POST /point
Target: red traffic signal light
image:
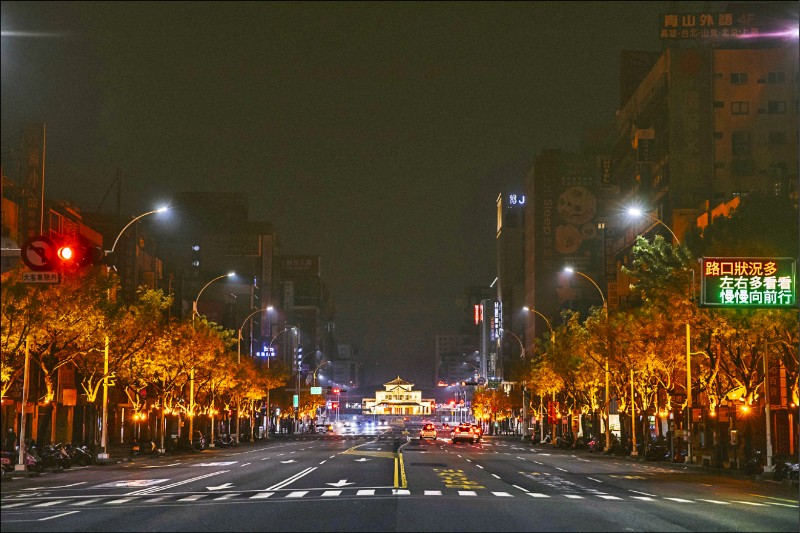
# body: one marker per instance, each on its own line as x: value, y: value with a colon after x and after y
x: 336, y: 391
x: 77, y: 253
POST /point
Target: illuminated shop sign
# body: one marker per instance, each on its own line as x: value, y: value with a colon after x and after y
x: 748, y: 282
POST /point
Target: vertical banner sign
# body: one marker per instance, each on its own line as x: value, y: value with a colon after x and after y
x: 755, y: 282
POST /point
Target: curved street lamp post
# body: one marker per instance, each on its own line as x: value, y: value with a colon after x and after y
x: 103, y: 455
x: 607, y: 413
x: 552, y: 343
x: 636, y: 212
x: 267, y: 309
x: 191, y: 372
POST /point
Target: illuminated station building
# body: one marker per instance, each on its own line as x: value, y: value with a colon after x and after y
x: 398, y: 399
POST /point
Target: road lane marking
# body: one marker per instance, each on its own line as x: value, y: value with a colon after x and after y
x: 714, y: 501
x: 574, y: 496
x: 58, y: 515
x: 679, y: 500
x: 192, y: 498
x: 593, y: 479
x: 467, y: 493
x: 291, y: 479
x: 479, y: 466
x: 557, y: 468
x: 401, y: 492
x: 14, y: 505
x: 537, y: 495
x: 639, y: 492
x: 433, y: 493
x: 225, y: 497
x: 323, y: 461
x: 520, y: 488
x: 503, y: 494
x: 608, y: 497
x: 366, y: 492
x: 782, y: 504
x: 644, y: 498
x: 151, y: 490
x: 495, y: 475
x: 756, y: 504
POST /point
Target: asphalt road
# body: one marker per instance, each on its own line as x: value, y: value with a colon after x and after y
x: 392, y: 481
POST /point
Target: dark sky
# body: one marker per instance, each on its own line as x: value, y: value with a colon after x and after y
x: 375, y: 135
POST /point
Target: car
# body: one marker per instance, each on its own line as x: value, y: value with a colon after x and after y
x: 324, y: 428
x: 464, y: 432
x: 478, y: 430
x: 428, y: 431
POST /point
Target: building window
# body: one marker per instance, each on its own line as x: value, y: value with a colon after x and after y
x: 776, y: 107
x: 740, y: 108
x: 741, y: 168
x: 777, y: 137
x: 740, y: 143
x: 776, y: 77
x: 738, y: 78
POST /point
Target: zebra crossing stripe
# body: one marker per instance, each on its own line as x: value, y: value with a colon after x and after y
x: 537, y: 495
x: 261, y: 495
x: 400, y: 492
x: 467, y: 493
x: 503, y: 494
x: 120, y: 500
x: 366, y: 492
x: 192, y: 498
x: 225, y: 497
x: 329, y: 493
x: 48, y: 504
x: 297, y: 494
x: 433, y: 493
x: 87, y: 502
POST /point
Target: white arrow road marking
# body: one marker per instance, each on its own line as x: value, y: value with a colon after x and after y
x: 340, y: 483
x: 220, y: 487
x: 362, y: 460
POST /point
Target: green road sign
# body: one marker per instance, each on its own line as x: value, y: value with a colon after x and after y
x: 754, y: 282
x: 295, y: 400
x: 316, y: 390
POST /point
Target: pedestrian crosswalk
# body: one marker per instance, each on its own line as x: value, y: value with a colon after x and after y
x: 23, y: 501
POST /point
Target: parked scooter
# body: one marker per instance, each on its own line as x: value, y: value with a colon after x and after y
x: 753, y: 465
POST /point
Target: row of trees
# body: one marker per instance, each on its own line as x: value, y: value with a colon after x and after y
x: 647, y: 335
x: 150, y: 355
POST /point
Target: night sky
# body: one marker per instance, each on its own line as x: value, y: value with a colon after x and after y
x: 375, y: 135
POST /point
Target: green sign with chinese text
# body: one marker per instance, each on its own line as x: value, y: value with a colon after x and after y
x: 748, y: 282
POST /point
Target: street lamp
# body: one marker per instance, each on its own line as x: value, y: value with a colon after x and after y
x: 324, y: 363
x: 635, y: 212
x: 267, y: 309
x: 522, y: 381
x: 570, y: 270
x: 524, y: 404
x: 293, y: 329
x: 103, y: 456
x: 191, y: 372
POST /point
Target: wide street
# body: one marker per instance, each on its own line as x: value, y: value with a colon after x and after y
x: 391, y: 481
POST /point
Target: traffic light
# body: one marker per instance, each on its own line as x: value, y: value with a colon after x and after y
x: 336, y: 391
x: 77, y: 253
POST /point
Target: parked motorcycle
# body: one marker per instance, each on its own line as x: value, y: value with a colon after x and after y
x: 753, y: 465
